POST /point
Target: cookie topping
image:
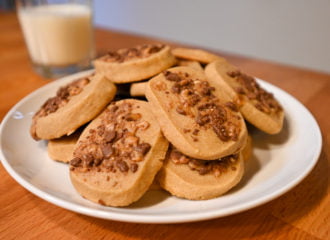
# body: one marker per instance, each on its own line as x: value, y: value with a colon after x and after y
x: 127, y: 54
x: 203, y: 167
x: 114, y: 145
x: 262, y: 100
x: 63, y: 96
x: 207, y: 110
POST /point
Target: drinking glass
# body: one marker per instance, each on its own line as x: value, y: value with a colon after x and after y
x: 58, y: 35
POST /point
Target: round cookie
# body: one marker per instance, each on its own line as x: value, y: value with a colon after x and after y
x: 138, y: 89
x: 248, y: 148
x: 258, y: 106
x: 74, y: 105
x: 61, y: 149
x: 194, y: 115
x: 118, y: 154
x: 198, y: 55
x: 135, y: 64
x: 196, y: 179
x: 190, y: 63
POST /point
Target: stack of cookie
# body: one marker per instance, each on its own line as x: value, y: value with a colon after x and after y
x: 188, y: 133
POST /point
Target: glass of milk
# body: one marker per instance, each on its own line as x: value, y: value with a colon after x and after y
x: 58, y: 35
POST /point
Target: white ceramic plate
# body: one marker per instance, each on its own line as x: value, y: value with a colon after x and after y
x: 277, y: 165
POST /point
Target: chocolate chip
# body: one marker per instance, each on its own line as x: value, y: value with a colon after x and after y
x: 203, y: 170
x: 97, y: 161
x: 193, y: 100
x: 218, y: 115
x: 176, y: 88
x: 195, y: 132
x: 171, y: 76
x: 239, y: 90
x: 114, y: 108
x: 76, y: 162
x: 87, y: 159
x: 100, y: 130
x: 208, y: 105
x: 221, y: 132
x: 142, y: 148
x: 122, y: 165
x: 107, y: 150
x: 201, y: 120
x: 233, y: 73
x: 109, y: 136
x: 134, y: 167
x: 232, y: 106
x: 154, y: 49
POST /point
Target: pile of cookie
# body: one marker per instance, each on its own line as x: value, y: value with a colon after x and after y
x: 181, y: 126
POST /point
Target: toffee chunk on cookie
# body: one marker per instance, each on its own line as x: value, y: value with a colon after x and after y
x: 258, y: 106
x: 195, y: 116
x: 74, y: 105
x: 196, y: 179
x: 135, y: 64
x: 118, y: 154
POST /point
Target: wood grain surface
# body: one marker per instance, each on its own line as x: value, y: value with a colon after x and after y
x: 302, y: 213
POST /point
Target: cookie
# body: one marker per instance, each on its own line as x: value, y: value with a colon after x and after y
x: 138, y: 89
x: 74, y: 105
x: 248, y: 148
x: 190, y: 63
x: 194, y: 115
x: 118, y: 154
x: 195, y: 179
x: 198, y: 55
x: 61, y: 149
x: 135, y: 64
x: 258, y: 106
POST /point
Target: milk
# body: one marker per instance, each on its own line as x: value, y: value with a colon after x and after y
x: 57, y: 35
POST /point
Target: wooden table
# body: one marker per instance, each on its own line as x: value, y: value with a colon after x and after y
x: 302, y: 213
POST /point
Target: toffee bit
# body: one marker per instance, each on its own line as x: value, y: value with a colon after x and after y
x: 126, y: 54
x: 180, y: 111
x: 107, y: 150
x: 134, y: 167
x: 76, y: 162
x: 114, y: 108
x: 171, y: 76
x: 100, y: 130
x: 113, y: 146
x: 176, y: 88
x: 195, y: 132
x: 202, y: 120
x: 97, y: 161
x: 185, y: 130
x: 239, y: 90
x: 232, y: 106
x: 233, y: 74
x: 122, y: 165
x: 143, y: 148
x: 221, y: 132
x: 203, y: 167
x: 109, y: 136
x: 132, y: 116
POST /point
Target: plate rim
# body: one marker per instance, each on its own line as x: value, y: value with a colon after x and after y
x: 148, y: 218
